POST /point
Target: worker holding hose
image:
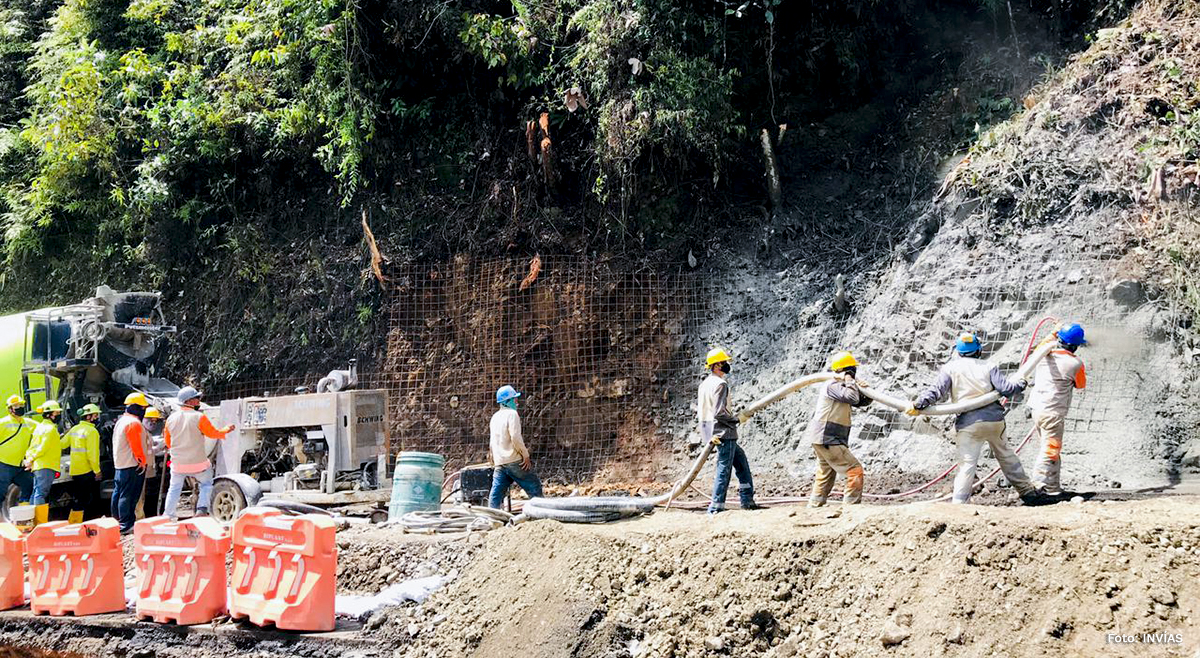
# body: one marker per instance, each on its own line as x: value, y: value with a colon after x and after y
x: 967, y: 377
x: 829, y: 433
x: 1054, y: 381
x: 719, y: 425
x: 510, y: 458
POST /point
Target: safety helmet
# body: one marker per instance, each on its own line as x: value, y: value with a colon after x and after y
x: 16, y: 401
x: 716, y: 355
x: 842, y: 360
x: 88, y: 410
x: 187, y: 394
x: 49, y: 406
x: 136, y: 398
x: 968, y: 344
x: 1071, y: 334
x: 153, y: 412
x: 506, y: 393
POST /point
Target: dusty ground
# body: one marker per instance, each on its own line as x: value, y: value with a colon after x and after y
x: 952, y: 580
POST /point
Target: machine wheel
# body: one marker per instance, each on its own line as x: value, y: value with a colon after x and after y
x: 228, y: 500
x: 379, y: 516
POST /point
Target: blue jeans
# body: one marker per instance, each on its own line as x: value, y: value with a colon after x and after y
x: 127, y: 488
x: 175, y: 490
x: 505, y: 475
x: 43, y: 478
x: 730, y: 457
x: 17, y: 475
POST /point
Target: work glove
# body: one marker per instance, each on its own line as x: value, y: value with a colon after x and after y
x: 742, y: 417
x: 716, y: 440
x: 912, y: 411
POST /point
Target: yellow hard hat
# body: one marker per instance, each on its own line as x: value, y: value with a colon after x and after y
x: 89, y: 409
x: 842, y: 360
x: 16, y: 401
x: 136, y: 398
x: 716, y: 355
x: 153, y: 412
x: 49, y: 406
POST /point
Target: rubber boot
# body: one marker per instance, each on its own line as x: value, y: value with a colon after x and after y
x: 76, y: 516
x: 41, y: 514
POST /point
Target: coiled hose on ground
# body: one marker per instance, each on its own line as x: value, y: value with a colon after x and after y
x: 592, y: 509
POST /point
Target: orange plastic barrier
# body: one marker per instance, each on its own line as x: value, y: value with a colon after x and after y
x: 76, y: 568
x: 181, y: 569
x: 12, y: 567
x: 284, y: 570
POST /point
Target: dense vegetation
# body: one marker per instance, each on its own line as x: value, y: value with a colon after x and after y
x: 226, y: 150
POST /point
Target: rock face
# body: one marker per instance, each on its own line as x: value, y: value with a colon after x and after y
x: 1129, y: 293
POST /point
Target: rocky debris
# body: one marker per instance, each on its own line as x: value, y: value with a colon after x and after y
x: 1129, y: 293
x: 790, y: 582
x: 894, y: 633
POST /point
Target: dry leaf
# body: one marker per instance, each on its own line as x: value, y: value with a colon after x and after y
x: 535, y: 266
x: 575, y: 99
x: 636, y: 65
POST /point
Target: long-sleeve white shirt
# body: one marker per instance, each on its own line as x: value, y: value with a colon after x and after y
x: 506, y: 444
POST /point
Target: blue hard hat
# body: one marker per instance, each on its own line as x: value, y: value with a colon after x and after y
x: 506, y: 393
x: 1072, y: 334
x: 968, y: 344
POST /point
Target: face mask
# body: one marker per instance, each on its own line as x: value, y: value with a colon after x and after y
x: 18, y: 412
x: 511, y: 404
x: 726, y: 368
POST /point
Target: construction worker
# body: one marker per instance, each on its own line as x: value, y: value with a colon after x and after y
x: 719, y: 426
x: 43, y: 458
x: 510, y: 458
x: 16, y: 431
x: 185, y: 432
x: 967, y: 377
x: 1055, y: 379
x: 829, y: 433
x: 129, y: 461
x: 154, y: 424
x: 84, y: 443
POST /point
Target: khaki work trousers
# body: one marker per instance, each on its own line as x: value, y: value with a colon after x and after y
x: 1048, y: 471
x: 971, y: 440
x: 831, y: 462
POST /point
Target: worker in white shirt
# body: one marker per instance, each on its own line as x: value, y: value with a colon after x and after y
x: 510, y: 458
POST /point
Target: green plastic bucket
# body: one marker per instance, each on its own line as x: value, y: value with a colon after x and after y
x: 417, y: 483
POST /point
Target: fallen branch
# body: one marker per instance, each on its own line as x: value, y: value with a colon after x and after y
x: 376, y: 257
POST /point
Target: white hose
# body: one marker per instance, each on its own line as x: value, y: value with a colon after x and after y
x: 897, y: 403
x: 461, y: 518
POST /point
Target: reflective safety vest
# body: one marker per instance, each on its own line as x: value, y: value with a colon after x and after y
x: 15, y: 434
x: 45, y: 449
x: 84, y: 441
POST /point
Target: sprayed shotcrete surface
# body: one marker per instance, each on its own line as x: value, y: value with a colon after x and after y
x: 936, y: 579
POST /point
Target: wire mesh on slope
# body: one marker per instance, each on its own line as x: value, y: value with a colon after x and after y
x: 604, y: 356
x: 586, y: 343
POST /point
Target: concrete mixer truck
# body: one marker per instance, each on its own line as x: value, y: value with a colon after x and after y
x: 93, y: 352
x: 322, y: 447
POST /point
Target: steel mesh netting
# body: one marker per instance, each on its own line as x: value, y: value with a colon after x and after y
x: 602, y: 355
x: 592, y: 348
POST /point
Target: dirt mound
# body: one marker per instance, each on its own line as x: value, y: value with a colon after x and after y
x: 922, y: 579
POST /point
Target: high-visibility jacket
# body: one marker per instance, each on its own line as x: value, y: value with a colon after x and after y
x: 84, y: 441
x: 15, y: 434
x: 45, y: 449
x: 129, y: 442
